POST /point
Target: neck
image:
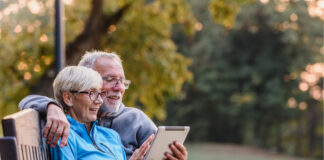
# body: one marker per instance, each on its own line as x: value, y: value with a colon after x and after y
x: 87, y: 124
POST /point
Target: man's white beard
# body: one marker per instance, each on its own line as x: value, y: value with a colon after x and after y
x: 111, y: 107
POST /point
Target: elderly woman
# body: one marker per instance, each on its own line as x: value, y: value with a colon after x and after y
x: 78, y: 89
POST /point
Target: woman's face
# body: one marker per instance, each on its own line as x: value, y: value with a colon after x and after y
x: 83, y: 109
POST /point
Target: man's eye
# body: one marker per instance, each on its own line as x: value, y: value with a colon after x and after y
x: 110, y: 79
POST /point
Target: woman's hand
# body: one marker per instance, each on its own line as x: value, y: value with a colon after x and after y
x: 140, y: 152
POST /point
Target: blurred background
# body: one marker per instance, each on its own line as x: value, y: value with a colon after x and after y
x: 246, y: 75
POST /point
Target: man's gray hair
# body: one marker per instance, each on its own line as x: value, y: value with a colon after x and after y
x: 75, y: 78
x: 89, y: 58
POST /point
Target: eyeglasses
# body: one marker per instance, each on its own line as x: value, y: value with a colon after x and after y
x: 112, y: 81
x: 93, y: 95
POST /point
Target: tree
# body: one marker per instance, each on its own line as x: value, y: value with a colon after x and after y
x: 139, y: 31
x: 248, y: 79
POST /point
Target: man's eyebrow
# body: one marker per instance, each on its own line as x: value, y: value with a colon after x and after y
x: 109, y: 75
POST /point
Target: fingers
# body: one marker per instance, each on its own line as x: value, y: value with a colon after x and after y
x: 169, y: 156
x: 65, y: 137
x: 47, y: 128
x: 178, y: 151
x: 51, y: 134
x: 145, y: 147
x: 181, y: 148
x: 139, y: 153
x: 149, y: 139
x: 58, y: 134
x: 57, y: 126
x: 142, y: 151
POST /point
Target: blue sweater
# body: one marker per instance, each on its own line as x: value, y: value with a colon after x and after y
x: 101, y: 143
x: 133, y: 126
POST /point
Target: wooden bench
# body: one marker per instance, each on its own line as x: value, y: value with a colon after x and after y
x: 22, y: 137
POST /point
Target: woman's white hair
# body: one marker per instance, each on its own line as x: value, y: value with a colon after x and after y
x: 75, y: 78
x: 90, y: 58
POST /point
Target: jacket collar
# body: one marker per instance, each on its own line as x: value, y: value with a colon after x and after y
x: 78, y: 127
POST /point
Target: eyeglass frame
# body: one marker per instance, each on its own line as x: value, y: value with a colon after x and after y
x: 121, y: 80
x: 89, y: 92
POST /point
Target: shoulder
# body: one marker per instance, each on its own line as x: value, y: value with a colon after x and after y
x: 72, y: 137
x: 139, y: 117
x: 134, y: 112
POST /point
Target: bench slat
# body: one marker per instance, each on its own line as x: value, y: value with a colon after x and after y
x: 25, y: 126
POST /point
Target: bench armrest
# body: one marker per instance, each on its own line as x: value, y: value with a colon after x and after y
x: 8, y: 148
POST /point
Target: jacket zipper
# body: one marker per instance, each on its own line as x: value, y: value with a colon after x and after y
x: 95, y: 145
x: 109, y: 150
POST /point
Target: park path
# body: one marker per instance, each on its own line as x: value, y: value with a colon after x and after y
x: 232, y: 152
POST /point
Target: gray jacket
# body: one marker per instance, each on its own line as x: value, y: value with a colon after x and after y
x: 133, y: 126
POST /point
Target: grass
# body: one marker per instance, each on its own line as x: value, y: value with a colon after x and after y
x: 212, y: 151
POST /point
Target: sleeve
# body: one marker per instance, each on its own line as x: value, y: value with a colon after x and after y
x: 146, y: 130
x: 37, y: 102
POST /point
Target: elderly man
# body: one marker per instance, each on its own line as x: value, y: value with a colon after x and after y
x: 132, y: 124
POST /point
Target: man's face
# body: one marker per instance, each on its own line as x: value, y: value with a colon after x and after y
x: 110, y: 68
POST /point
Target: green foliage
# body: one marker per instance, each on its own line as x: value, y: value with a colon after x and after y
x: 224, y: 11
x: 26, y: 51
x: 150, y: 57
x: 246, y: 78
x: 142, y: 37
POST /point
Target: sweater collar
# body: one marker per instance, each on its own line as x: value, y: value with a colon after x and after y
x: 103, y: 113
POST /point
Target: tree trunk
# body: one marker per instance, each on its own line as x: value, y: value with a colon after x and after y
x: 299, y: 135
x: 278, y: 135
x: 95, y: 28
x: 312, y: 123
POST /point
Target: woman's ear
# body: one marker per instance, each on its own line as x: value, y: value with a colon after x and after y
x: 68, y: 98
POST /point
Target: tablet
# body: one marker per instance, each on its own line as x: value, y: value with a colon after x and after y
x: 166, y: 135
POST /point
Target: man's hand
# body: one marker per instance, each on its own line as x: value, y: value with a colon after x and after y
x: 57, y: 125
x: 179, y: 152
x: 140, y: 152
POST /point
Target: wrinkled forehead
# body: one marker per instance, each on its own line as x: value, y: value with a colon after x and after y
x: 109, y: 67
x: 95, y: 88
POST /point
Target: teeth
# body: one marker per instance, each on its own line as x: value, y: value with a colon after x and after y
x: 113, y: 97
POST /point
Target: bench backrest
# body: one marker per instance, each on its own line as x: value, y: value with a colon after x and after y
x: 25, y: 126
